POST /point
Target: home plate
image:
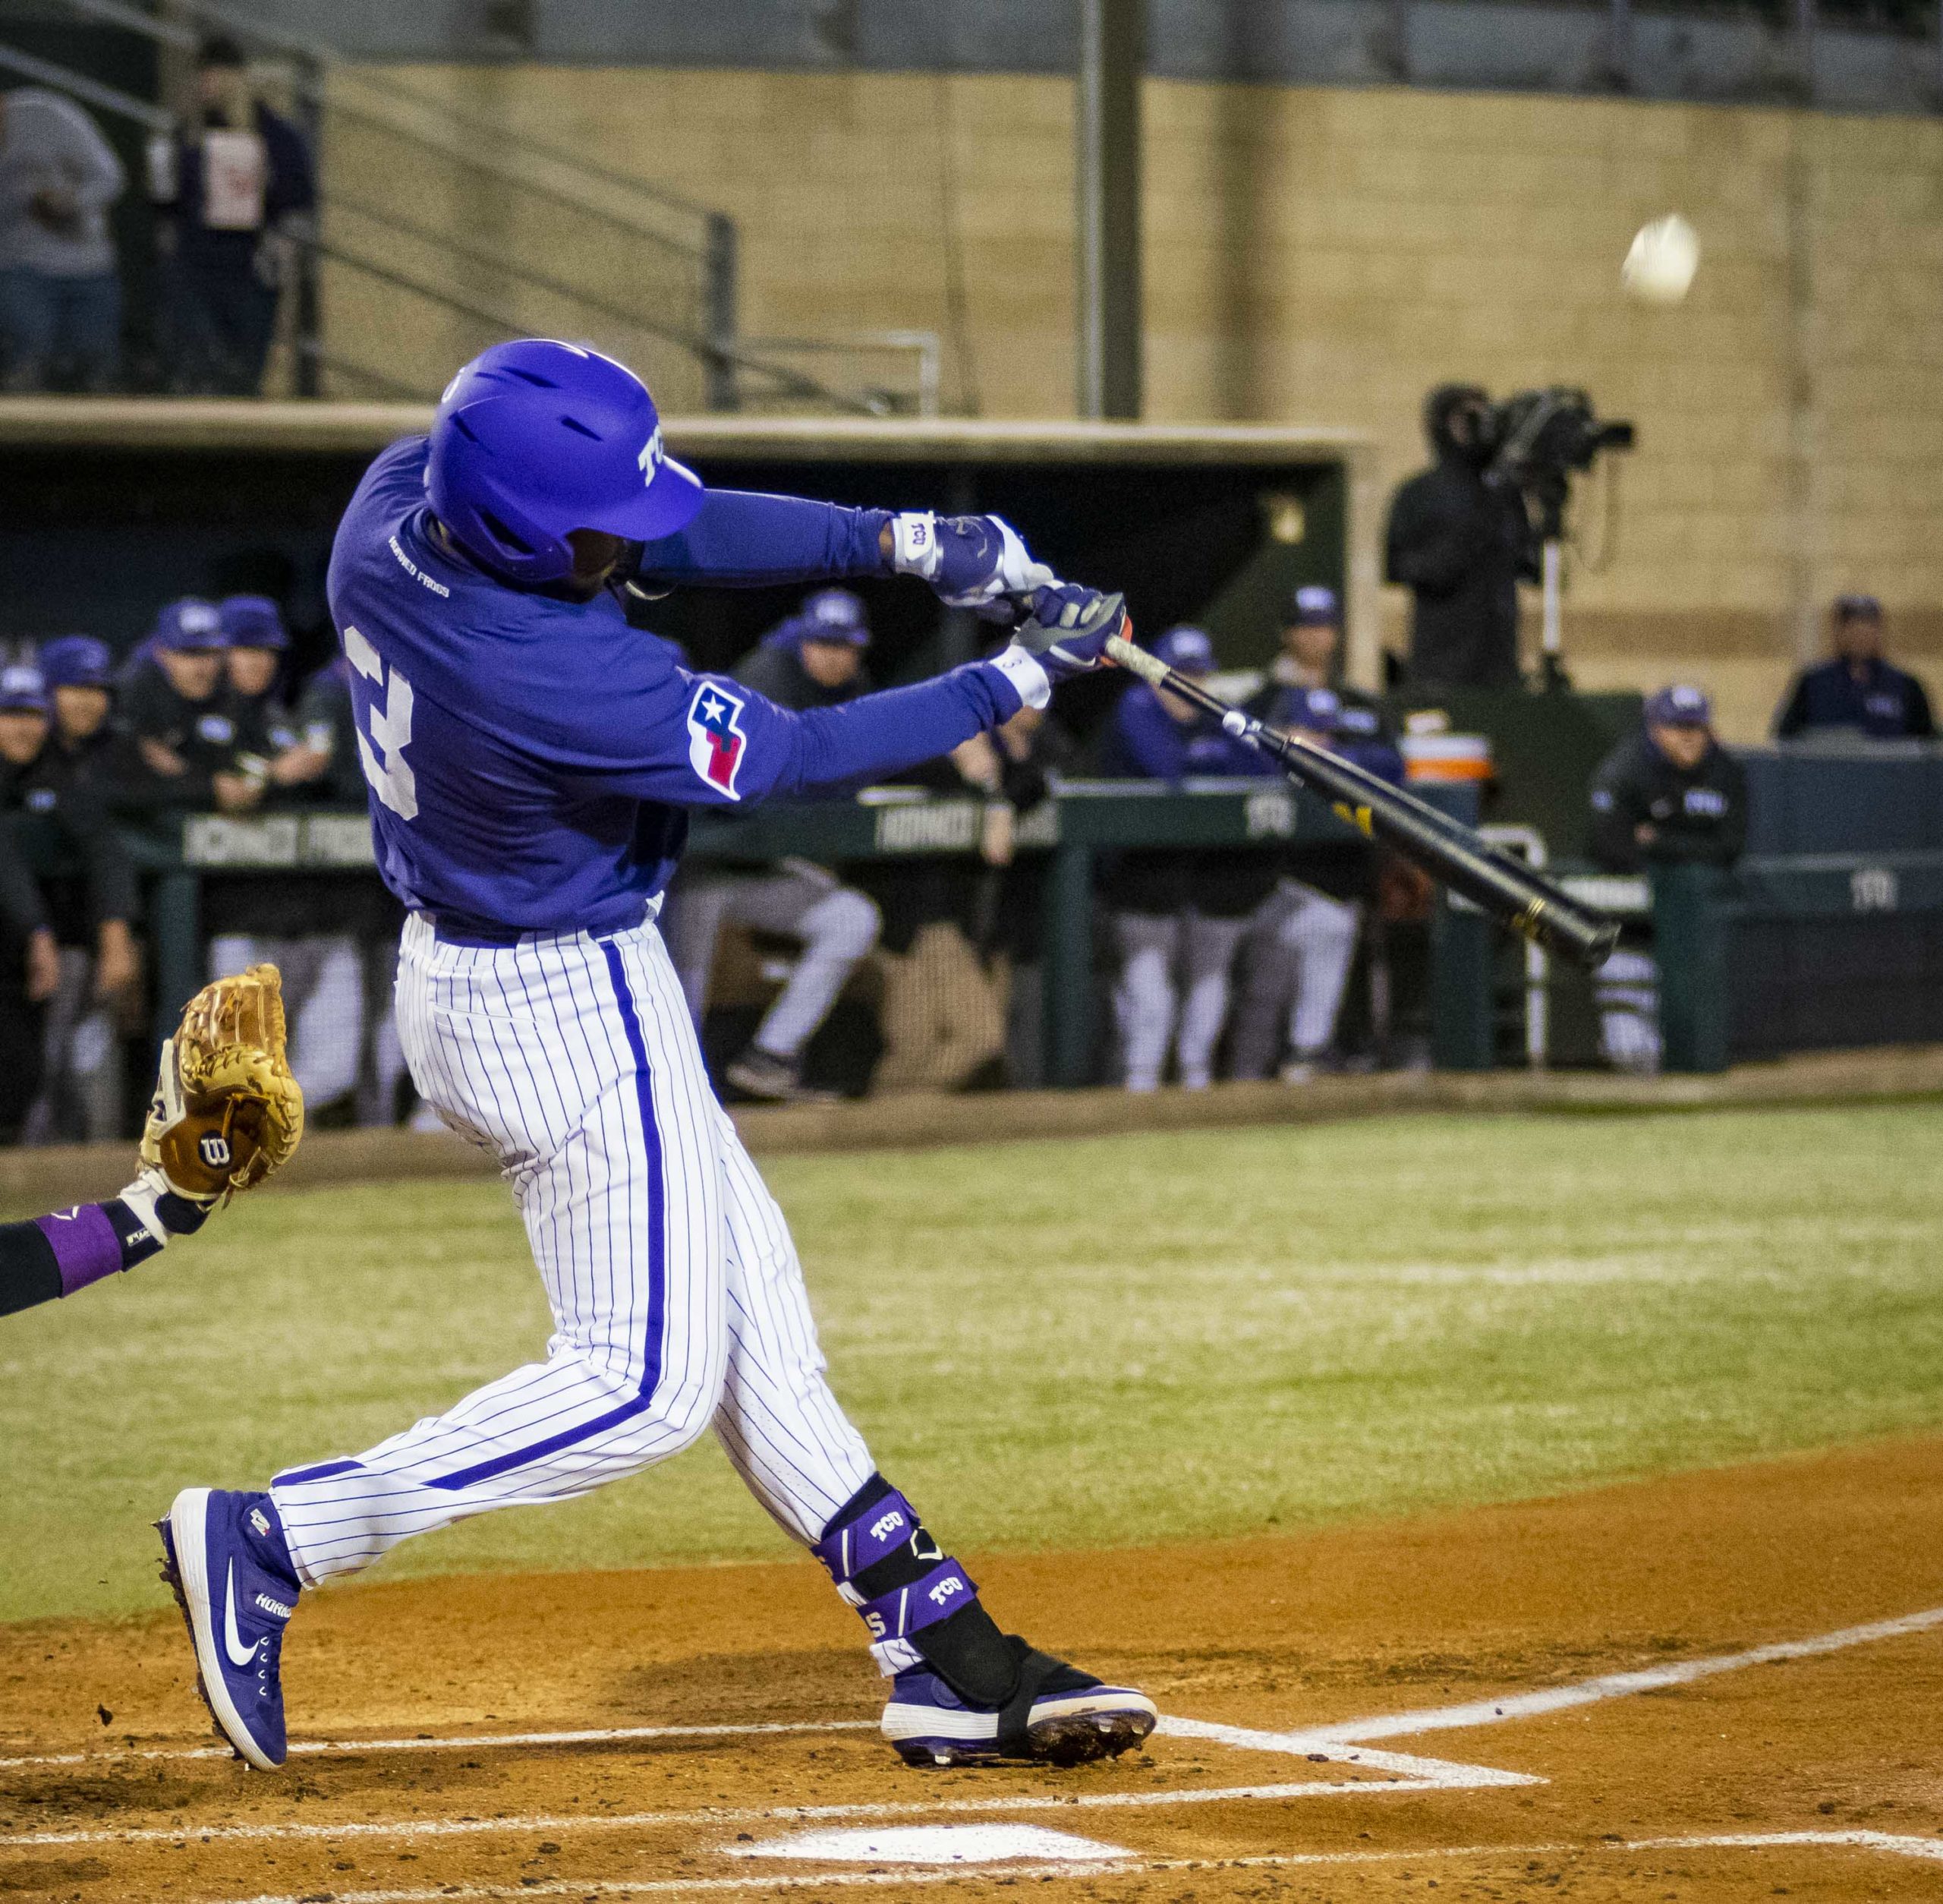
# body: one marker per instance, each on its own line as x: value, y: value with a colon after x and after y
x: 979, y: 1844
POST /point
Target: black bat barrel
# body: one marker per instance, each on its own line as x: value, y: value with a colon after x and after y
x: 1509, y: 891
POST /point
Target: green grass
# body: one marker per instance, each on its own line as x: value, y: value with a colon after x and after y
x: 1088, y: 1343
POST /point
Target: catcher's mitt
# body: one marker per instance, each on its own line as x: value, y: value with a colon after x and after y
x: 227, y: 1111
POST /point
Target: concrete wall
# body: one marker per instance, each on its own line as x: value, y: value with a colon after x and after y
x: 1324, y: 255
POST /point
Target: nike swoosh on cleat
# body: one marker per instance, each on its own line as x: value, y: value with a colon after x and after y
x: 232, y: 1641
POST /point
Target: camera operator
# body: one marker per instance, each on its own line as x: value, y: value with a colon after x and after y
x: 1461, y: 545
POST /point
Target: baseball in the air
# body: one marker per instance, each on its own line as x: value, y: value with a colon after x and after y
x: 1659, y: 268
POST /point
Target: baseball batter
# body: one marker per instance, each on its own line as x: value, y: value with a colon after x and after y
x: 531, y: 760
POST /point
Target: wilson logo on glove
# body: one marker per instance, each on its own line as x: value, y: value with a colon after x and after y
x: 215, y: 1151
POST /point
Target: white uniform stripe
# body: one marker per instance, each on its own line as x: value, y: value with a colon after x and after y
x: 527, y: 1045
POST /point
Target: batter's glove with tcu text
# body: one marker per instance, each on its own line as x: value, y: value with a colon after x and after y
x: 975, y: 562
x: 227, y: 1111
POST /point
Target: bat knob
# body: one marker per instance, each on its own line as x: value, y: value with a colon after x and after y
x: 1234, y: 723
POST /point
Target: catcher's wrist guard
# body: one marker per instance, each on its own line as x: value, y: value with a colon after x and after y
x: 227, y: 1111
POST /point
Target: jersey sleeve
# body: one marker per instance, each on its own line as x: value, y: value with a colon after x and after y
x: 742, y: 537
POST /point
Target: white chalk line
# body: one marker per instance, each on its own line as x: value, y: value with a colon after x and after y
x: 1328, y: 1741
x: 1891, y: 1843
x: 713, y: 1814
x: 600, y: 1735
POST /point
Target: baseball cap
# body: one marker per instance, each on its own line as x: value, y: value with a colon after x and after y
x: 23, y: 688
x: 78, y: 661
x: 1315, y: 606
x: 189, y: 624
x: 1188, y: 649
x: 1319, y: 709
x: 829, y: 615
x: 1857, y: 608
x: 1679, y: 706
x: 252, y: 621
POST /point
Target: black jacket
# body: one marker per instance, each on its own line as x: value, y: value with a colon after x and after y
x: 1699, y: 818
x: 776, y: 672
x: 1460, y: 546
x: 55, y: 808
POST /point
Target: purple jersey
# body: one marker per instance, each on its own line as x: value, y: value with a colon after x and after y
x: 531, y: 760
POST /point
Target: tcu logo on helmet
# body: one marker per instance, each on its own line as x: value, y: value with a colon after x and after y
x: 649, y: 459
x: 213, y: 1149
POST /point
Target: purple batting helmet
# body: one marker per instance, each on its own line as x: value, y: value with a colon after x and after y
x: 535, y: 439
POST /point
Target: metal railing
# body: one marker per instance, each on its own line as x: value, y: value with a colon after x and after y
x: 513, y: 235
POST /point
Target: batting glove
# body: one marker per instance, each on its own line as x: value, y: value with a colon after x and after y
x: 975, y: 562
x: 1067, y: 628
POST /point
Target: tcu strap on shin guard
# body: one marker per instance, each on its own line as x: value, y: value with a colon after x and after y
x: 920, y: 1606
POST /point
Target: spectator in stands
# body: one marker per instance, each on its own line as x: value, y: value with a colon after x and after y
x: 1858, y: 692
x: 60, y: 293
x: 814, y: 659
x: 1301, y: 940
x: 29, y: 957
x: 173, y: 704
x: 1668, y: 794
x: 1177, y: 917
x: 61, y: 803
x: 254, y: 644
x: 83, y: 966
x: 234, y: 197
x: 1460, y: 544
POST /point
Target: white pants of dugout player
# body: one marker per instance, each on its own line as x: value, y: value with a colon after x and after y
x: 797, y: 900
x: 678, y: 1306
x: 1295, y: 968
x: 1626, y: 989
x: 1174, y: 971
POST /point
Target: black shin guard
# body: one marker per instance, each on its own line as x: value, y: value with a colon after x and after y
x: 908, y: 1589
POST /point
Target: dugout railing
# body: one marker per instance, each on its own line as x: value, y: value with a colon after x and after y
x: 1067, y: 834
x: 1789, y: 952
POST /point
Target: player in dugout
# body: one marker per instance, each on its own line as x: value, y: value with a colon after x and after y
x: 1669, y: 794
x: 61, y: 805
x: 175, y: 704
x: 1856, y: 692
x: 813, y: 659
x: 1178, y: 917
x: 1301, y: 940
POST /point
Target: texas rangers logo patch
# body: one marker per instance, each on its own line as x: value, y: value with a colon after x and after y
x: 716, y: 738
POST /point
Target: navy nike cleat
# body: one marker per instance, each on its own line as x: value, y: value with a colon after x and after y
x: 236, y: 1608
x: 1069, y: 1719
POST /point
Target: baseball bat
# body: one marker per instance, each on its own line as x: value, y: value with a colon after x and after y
x: 1451, y: 852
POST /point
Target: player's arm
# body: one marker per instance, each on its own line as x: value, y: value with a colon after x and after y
x: 57, y: 1254
x: 701, y: 740
x: 744, y: 538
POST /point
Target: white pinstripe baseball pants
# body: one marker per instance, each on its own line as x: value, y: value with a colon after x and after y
x: 678, y: 1300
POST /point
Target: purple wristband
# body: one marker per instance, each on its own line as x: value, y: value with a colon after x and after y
x: 85, y: 1245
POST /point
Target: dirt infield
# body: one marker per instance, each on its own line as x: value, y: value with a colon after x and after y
x: 1310, y: 1749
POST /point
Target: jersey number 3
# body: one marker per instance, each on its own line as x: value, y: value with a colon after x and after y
x: 381, y: 753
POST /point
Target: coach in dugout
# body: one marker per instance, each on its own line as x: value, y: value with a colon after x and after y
x: 1857, y: 691
x: 1670, y: 794
x: 813, y: 659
